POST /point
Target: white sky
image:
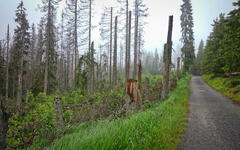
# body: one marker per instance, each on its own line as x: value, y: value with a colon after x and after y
x: 204, y: 12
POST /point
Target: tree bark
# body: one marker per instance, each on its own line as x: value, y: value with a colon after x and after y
x: 90, y: 25
x: 110, y: 63
x: 129, y: 45
x: 76, y: 40
x: 135, y: 41
x: 178, y: 68
x: 115, y: 54
x: 167, y: 60
x: 47, y: 55
x: 127, y: 41
x: 6, y: 95
x: 140, y: 82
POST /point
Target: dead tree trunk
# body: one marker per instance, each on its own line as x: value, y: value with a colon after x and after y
x: 110, y: 63
x: 126, y: 54
x: 129, y: 45
x: 6, y: 95
x: 20, y: 74
x: 92, y: 68
x: 178, y: 68
x: 47, y: 54
x: 115, y: 54
x: 90, y: 25
x: 140, y: 83
x: 100, y: 69
x: 59, y: 113
x: 135, y: 41
x: 76, y: 40
x: 167, y: 60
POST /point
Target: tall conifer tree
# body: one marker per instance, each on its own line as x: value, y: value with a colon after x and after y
x: 187, y: 35
x: 21, y: 46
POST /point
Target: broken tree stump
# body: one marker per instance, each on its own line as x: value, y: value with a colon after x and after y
x: 59, y: 112
x: 132, y: 89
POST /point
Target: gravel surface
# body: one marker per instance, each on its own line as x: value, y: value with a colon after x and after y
x: 213, y: 121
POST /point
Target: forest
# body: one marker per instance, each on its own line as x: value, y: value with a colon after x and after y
x: 59, y: 89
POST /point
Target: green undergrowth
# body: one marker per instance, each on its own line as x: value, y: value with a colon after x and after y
x: 228, y: 86
x: 159, y: 127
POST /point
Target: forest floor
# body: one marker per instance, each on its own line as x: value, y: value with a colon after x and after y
x: 213, y: 121
x: 159, y: 127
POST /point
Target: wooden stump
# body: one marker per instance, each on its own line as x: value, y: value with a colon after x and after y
x: 132, y: 89
x: 59, y: 112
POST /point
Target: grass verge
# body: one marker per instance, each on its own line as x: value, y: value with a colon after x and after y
x: 227, y: 86
x: 160, y: 127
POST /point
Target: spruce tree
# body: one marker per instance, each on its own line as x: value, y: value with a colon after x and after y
x: 49, y: 6
x: 187, y: 35
x: 21, y: 47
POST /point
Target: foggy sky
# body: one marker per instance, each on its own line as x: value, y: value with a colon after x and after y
x: 204, y: 12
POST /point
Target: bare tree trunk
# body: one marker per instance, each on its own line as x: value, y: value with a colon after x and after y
x: 72, y: 72
x: 167, y: 60
x: 68, y: 67
x: 90, y: 24
x: 47, y: 55
x: 89, y: 44
x: 93, y: 67
x: 76, y: 40
x: 121, y: 59
x: 110, y: 63
x: 178, y: 68
x: 20, y: 73
x: 46, y: 74
x: 140, y: 82
x: 135, y: 40
x: 100, y: 68
x: 127, y: 41
x: 6, y: 95
x: 19, y: 91
x: 13, y: 86
x: 115, y: 54
x: 129, y: 45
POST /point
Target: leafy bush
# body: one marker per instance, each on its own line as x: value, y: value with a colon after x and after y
x: 36, y: 120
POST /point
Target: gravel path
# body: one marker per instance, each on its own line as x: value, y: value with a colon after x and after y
x: 213, y: 121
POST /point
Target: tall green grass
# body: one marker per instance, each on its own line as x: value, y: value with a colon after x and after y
x: 227, y: 86
x: 157, y: 128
